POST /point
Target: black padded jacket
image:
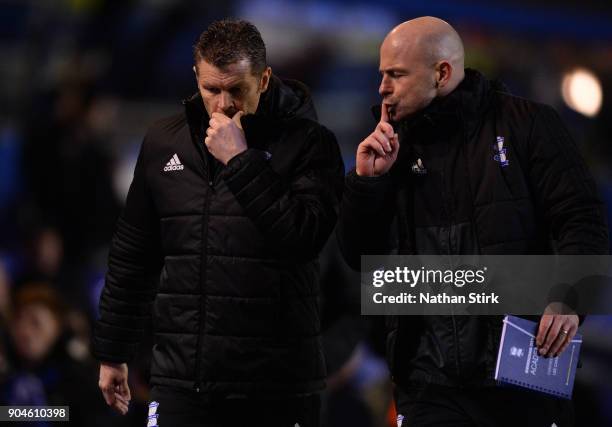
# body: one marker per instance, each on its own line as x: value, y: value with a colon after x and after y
x: 226, y: 257
x: 542, y: 201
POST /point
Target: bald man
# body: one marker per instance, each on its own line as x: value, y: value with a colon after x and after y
x: 455, y: 165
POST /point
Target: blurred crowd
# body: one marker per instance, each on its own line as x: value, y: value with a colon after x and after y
x: 82, y: 79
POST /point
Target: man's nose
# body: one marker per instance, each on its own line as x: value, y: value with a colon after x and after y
x: 385, y: 88
x: 226, y: 102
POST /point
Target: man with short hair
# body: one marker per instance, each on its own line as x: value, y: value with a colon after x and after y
x: 231, y: 202
x: 431, y: 179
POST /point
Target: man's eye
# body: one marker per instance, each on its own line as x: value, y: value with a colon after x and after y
x: 212, y: 90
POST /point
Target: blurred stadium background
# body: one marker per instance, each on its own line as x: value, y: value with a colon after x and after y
x: 80, y: 80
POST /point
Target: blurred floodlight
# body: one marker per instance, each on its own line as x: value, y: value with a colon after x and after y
x: 581, y: 91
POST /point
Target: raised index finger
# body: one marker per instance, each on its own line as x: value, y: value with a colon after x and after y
x: 384, y: 124
x: 384, y: 114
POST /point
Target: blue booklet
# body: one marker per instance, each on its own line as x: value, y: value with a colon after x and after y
x: 520, y: 364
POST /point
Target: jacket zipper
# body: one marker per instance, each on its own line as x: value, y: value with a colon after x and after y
x: 448, y: 207
x: 457, y: 361
x: 211, y: 180
x: 207, y: 169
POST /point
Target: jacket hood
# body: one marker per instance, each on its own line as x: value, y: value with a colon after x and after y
x: 285, y: 99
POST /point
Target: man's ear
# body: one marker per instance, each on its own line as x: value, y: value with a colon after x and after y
x: 195, y: 71
x: 265, y: 80
x: 444, y: 71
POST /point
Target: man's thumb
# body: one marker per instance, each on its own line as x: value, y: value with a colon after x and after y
x: 237, y: 117
x: 125, y: 390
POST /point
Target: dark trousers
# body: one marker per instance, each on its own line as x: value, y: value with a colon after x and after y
x: 172, y: 407
x: 432, y: 405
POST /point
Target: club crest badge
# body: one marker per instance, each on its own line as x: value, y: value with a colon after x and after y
x: 500, y: 154
x: 153, y: 415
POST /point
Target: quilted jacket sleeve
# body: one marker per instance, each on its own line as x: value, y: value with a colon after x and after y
x: 133, y: 270
x: 299, y: 212
x: 564, y: 189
